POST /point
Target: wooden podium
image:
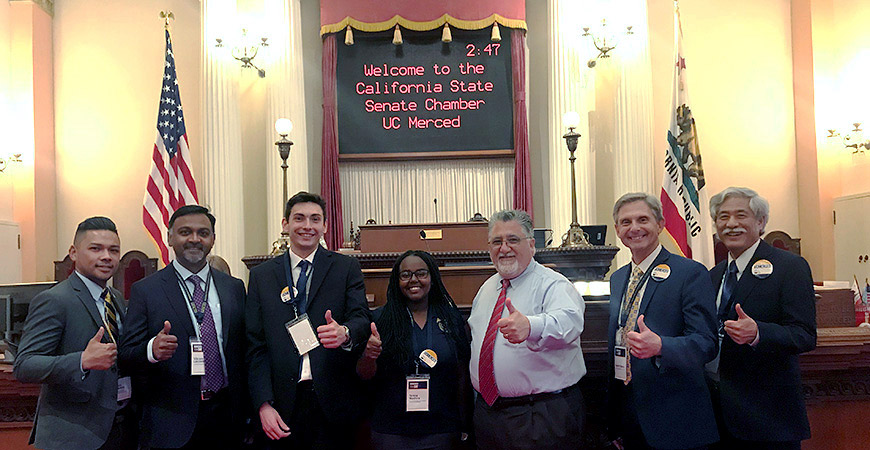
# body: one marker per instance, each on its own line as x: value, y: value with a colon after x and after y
x: 432, y: 237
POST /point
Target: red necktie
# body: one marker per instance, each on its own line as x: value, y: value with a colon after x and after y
x: 486, y: 375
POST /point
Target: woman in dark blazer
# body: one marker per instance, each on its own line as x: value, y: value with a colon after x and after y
x: 419, y: 316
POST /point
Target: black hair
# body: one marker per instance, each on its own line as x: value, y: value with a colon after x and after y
x: 394, y: 324
x: 187, y: 210
x: 304, y: 197
x: 95, y: 223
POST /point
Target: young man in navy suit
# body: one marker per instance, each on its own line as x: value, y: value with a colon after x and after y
x: 767, y: 317
x: 662, y: 332
x: 185, y: 338
x: 306, y: 388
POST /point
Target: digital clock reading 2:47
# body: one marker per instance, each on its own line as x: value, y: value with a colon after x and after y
x: 424, y: 95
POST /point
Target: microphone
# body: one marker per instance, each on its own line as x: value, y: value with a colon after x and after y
x: 425, y: 241
x: 436, y: 209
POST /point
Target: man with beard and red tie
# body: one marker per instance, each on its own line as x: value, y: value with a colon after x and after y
x: 185, y: 336
x: 526, y: 359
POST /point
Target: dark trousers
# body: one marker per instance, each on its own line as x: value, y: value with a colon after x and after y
x: 545, y: 421
x: 624, y: 419
x: 728, y: 441
x: 309, y: 428
x: 214, y: 425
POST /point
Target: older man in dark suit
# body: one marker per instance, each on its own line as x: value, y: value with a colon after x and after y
x: 185, y: 336
x: 306, y: 389
x: 662, y: 331
x: 69, y: 345
x: 767, y: 316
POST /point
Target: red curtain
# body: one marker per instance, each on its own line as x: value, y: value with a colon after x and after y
x: 330, y: 184
x: 334, y: 12
x: 522, y: 167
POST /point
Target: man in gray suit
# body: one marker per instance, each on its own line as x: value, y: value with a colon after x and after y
x: 69, y: 345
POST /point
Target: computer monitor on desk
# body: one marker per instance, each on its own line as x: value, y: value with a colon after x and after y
x: 14, y: 303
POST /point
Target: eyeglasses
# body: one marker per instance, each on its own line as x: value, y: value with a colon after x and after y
x: 511, y: 241
x: 421, y: 274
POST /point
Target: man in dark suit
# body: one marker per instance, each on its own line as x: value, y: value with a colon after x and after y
x: 69, y: 345
x: 767, y: 317
x: 307, y: 398
x: 662, y: 332
x: 183, y: 314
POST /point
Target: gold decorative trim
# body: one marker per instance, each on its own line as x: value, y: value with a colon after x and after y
x: 422, y: 26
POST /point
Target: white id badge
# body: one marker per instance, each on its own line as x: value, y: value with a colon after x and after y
x: 197, y: 357
x: 125, y: 389
x: 619, y: 362
x: 302, y: 334
x: 417, y: 393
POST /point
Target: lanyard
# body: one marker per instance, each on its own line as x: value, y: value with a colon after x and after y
x: 198, y: 313
x: 298, y: 304
x: 415, y: 346
x: 623, y: 308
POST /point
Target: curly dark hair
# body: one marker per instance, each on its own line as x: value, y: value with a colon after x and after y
x: 395, y: 327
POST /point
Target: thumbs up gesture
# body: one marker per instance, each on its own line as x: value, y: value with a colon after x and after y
x: 97, y: 355
x: 373, y: 346
x: 333, y: 334
x: 744, y: 330
x: 644, y: 343
x: 515, y: 327
x: 164, y: 344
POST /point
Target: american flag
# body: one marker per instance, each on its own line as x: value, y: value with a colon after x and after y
x: 170, y: 184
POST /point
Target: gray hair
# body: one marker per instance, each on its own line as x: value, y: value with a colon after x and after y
x: 655, y: 205
x: 758, y: 204
x: 507, y: 215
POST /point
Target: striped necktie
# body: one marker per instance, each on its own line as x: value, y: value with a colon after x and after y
x: 111, y: 315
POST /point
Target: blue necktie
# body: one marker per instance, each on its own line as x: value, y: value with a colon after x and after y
x: 728, y: 289
x: 302, y: 285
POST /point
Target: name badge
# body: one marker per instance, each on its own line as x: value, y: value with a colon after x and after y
x: 302, y: 334
x: 197, y: 357
x: 417, y: 393
x: 125, y: 389
x: 619, y: 362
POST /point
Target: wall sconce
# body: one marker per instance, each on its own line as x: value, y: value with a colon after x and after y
x: 4, y: 162
x: 854, y: 139
x: 603, y: 41
x: 246, y: 50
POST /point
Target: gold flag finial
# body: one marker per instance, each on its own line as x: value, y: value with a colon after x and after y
x: 167, y: 16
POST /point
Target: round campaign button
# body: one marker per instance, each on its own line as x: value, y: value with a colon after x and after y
x: 285, y: 295
x: 661, y: 272
x: 429, y: 357
x: 762, y: 268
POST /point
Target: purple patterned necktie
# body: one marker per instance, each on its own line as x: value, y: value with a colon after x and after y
x: 213, y: 380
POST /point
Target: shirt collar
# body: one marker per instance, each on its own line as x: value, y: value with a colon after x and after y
x: 94, y: 288
x: 185, y: 274
x: 294, y: 258
x: 743, y: 259
x: 527, y: 270
x: 644, y: 265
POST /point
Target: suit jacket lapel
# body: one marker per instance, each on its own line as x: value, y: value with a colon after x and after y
x: 652, y: 285
x: 228, y: 305
x: 176, y: 299
x: 322, y: 261
x: 617, y: 292
x: 747, y: 281
x: 85, y: 297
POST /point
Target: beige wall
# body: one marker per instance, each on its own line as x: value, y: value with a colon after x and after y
x: 108, y: 60
x: 6, y: 192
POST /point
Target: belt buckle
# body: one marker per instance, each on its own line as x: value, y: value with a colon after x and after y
x: 206, y: 394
